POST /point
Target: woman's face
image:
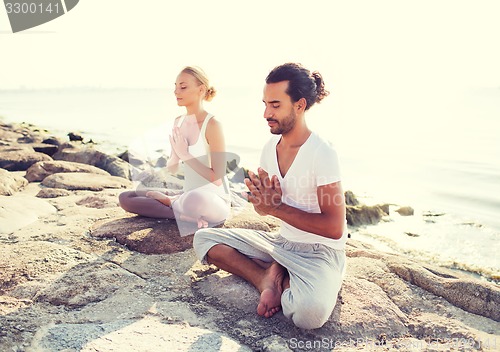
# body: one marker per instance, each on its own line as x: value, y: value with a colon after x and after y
x: 188, y: 90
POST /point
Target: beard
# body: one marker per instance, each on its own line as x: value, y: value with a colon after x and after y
x: 285, y: 125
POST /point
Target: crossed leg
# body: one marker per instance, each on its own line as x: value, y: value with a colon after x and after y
x: 268, y: 278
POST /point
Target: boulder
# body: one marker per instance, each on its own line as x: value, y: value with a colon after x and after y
x: 112, y: 164
x: 7, y: 133
x: 350, y: 198
x: 474, y: 296
x: 364, y: 215
x: 38, y: 171
x: 84, y: 181
x: 20, y: 159
x: 53, y: 141
x: 10, y: 183
x: 144, y: 235
x: 48, y: 149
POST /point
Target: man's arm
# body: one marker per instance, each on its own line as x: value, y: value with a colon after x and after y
x: 330, y: 222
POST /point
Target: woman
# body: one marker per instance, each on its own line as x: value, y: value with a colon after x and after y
x: 197, y: 140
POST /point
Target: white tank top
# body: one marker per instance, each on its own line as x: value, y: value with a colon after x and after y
x: 200, y: 150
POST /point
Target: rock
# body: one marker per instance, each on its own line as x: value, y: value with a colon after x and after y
x: 147, y: 334
x: 38, y: 171
x: 8, y: 134
x: 53, y: 141
x: 131, y: 159
x: 99, y: 202
x: 18, y: 211
x: 20, y: 160
x: 84, y: 181
x: 86, y: 283
x: 362, y: 310
x: 23, y: 262
x: 158, y: 179
x: 161, y: 162
x: 52, y: 193
x: 144, y: 235
x: 350, y: 198
x: 474, y: 296
x: 365, y: 310
x: 363, y: 214
x: 10, y: 183
x: 112, y: 164
x: 405, y: 211
x: 74, y: 137
x: 48, y: 149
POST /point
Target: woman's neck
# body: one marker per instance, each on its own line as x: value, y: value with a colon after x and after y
x: 196, y: 110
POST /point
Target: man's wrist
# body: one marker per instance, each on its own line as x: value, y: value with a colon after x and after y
x: 276, y: 210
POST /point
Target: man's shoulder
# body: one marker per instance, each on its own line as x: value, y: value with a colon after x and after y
x: 319, y: 143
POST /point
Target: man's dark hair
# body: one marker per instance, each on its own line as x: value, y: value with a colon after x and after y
x: 301, y: 83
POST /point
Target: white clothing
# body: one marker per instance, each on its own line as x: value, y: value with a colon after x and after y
x: 316, y: 164
x: 200, y: 150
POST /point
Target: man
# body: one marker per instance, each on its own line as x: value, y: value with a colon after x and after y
x: 299, y: 269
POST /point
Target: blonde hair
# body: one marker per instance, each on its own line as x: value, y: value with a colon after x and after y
x: 202, y: 78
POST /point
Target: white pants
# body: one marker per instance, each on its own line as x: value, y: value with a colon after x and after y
x: 315, y: 270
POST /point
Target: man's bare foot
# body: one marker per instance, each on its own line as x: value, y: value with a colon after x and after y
x: 160, y: 197
x: 271, y: 290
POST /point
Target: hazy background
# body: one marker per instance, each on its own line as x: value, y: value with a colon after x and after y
x: 414, y: 110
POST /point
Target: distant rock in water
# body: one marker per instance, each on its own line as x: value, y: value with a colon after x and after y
x: 364, y: 215
x: 350, y: 198
x: 405, y: 211
x: 75, y: 137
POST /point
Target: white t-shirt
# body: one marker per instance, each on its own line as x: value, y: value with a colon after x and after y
x: 316, y: 164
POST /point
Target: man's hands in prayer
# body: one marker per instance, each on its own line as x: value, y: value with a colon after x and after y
x: 265, y: 193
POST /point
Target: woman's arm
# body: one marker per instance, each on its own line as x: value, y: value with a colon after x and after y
x: 173, y: 160
x: 217, y: 150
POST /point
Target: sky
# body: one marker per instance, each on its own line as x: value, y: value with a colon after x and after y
x: 380, y: 59
x: 400, y: 46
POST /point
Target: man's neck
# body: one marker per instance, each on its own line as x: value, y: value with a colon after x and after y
x: 296, y: 137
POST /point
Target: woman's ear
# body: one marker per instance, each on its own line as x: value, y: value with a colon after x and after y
x: 203, y: 90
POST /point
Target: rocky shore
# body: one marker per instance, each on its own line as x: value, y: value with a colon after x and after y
x: 77, y: 273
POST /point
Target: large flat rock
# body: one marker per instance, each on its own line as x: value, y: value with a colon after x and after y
x: 20, y: 160
x: 85, y: 181
x: 112, y: 164
x: 144, y: 235
x: 38, y: 171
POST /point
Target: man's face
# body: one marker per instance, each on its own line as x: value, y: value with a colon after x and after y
x: 279, y: 112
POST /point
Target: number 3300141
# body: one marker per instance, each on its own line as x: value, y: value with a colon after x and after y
x: 31, y: 7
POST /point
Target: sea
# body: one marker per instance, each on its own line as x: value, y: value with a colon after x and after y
x: 445, y: 165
